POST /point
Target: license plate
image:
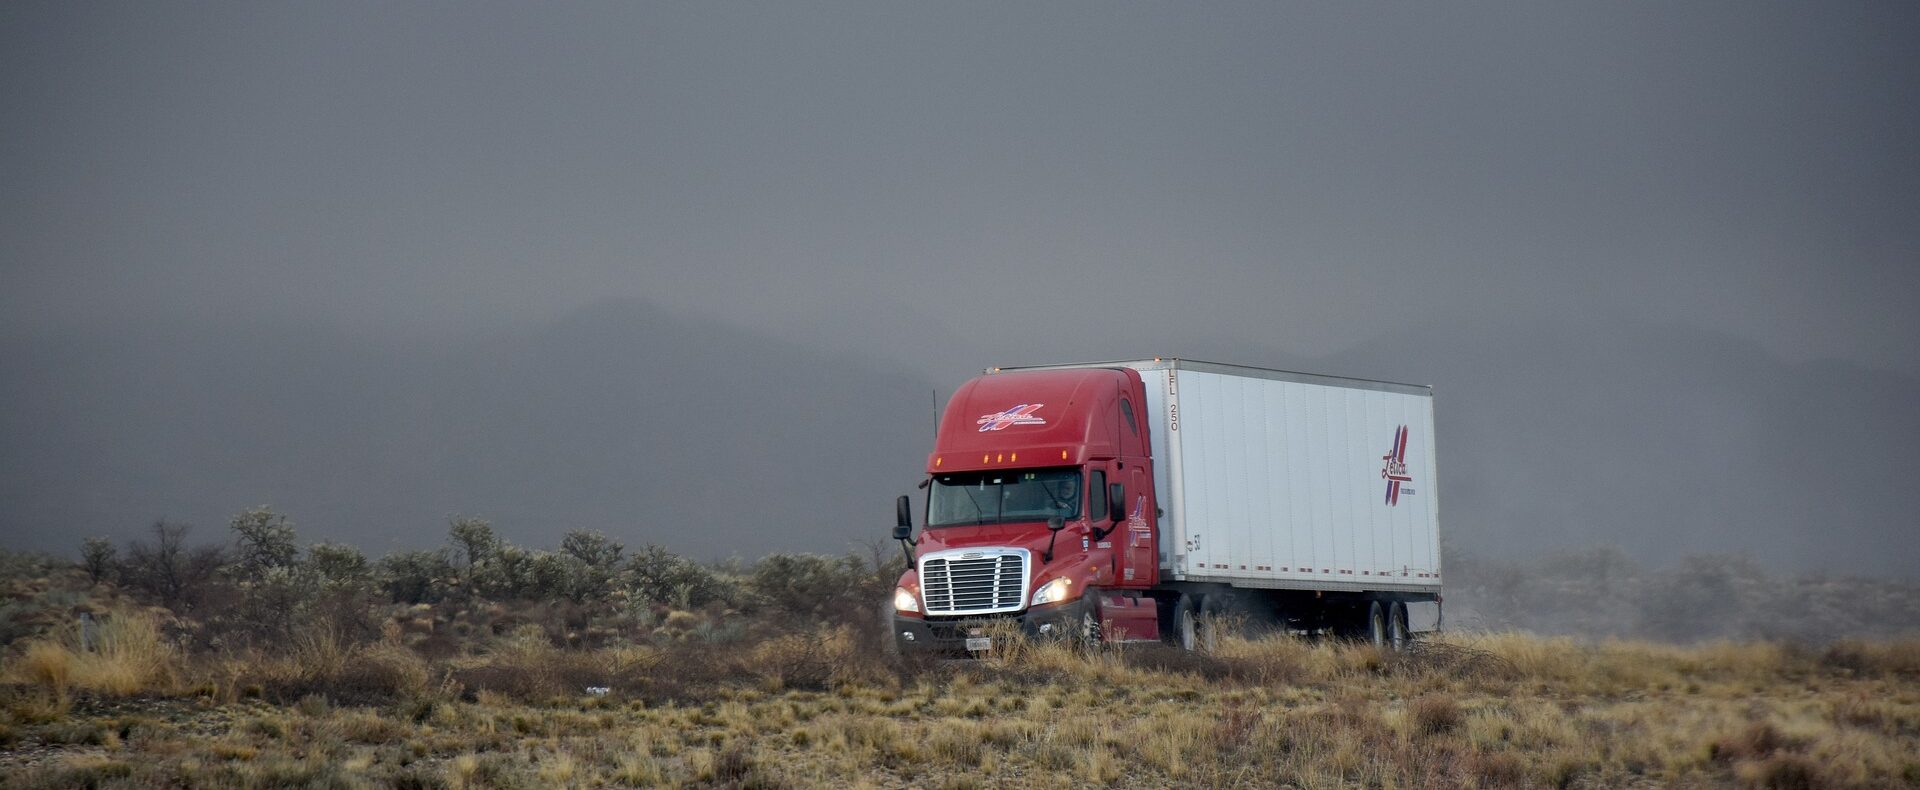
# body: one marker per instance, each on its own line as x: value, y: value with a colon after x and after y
x: 977, y: 644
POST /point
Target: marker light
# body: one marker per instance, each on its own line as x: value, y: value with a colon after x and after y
x: 903, y: 600
x: 1063, y: 455
x: 1054, y: 591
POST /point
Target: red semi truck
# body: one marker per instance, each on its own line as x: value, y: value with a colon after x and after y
x: 1129, y: 501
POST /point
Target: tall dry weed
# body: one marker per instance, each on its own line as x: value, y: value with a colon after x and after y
x: 124, y: 654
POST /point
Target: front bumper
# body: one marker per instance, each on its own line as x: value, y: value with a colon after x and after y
x: 949, y: 634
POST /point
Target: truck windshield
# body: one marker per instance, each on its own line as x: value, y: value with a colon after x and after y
x: 1000, y: 497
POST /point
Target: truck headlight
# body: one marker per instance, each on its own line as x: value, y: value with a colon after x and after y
x: 904, y: 601
x: 1054, y: 591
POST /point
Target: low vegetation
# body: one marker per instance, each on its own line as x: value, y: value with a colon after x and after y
x: 1486, y: 710
x: 487, y: 665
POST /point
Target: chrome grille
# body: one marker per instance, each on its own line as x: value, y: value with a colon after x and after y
x: 974, y: 581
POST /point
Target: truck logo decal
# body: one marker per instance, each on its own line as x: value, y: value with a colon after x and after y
x: 1137, y: 521
x: 1018, y: 415
x: 1395, y: 468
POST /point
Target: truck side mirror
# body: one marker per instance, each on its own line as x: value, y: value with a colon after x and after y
x: 903, y: 527
x: 1117, y: 501
x: 1054, y: 525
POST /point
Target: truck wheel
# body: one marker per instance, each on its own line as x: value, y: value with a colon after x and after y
x: 1376, y: 625
x: 1087, y: 634
x: 1398, y: 638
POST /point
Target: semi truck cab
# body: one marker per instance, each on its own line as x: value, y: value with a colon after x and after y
x: 1040, y: 508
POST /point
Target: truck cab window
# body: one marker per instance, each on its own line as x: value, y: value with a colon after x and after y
x: 1003, y: 497
x: 1126, y: 410
x: 1096, y: 496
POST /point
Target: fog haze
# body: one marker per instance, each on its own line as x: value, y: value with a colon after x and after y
x: 696, y: 274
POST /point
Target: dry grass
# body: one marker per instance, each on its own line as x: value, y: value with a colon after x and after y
x: 1487, y: 710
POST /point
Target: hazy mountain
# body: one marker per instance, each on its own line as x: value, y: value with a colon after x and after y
x: 713, y: 439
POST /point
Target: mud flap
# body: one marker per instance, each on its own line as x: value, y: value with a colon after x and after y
x: 1125, y: 618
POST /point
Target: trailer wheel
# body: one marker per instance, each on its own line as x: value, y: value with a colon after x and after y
x: 1398, y: 638
x: 1376, y: 625
x: 1186, y: 633
x: 1212, y: 622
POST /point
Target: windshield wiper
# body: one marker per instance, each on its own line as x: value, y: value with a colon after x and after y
x: 979, y: 513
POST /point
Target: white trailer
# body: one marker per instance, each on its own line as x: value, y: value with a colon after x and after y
x: 1295, y: 491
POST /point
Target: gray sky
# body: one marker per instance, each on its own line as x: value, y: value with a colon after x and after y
x: 948, y: 186
x: 1314, y: 173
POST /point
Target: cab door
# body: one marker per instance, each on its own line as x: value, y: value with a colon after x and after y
x: 1133, y: 536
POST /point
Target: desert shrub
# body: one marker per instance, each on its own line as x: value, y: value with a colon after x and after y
x: 547, y: 575
x: 592, y: 548
x: 100, y: 559
x: 505, y: 573
x: 266, y: 607
x: 814, y: 586
x: 415, y: 577
x: 473, y: 539
x: 169, y: 570
x: 277, y: 594
x: 655, y: 575
x: 338, y: 565
x: 263, y: 541
x: 596, y: 564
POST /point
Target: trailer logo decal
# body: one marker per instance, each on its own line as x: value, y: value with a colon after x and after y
x: 1018, y: 415
x: 1395, y: 468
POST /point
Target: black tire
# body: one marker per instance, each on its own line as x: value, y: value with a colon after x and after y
x: 1398, y: 637
x: 1374, y: 628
